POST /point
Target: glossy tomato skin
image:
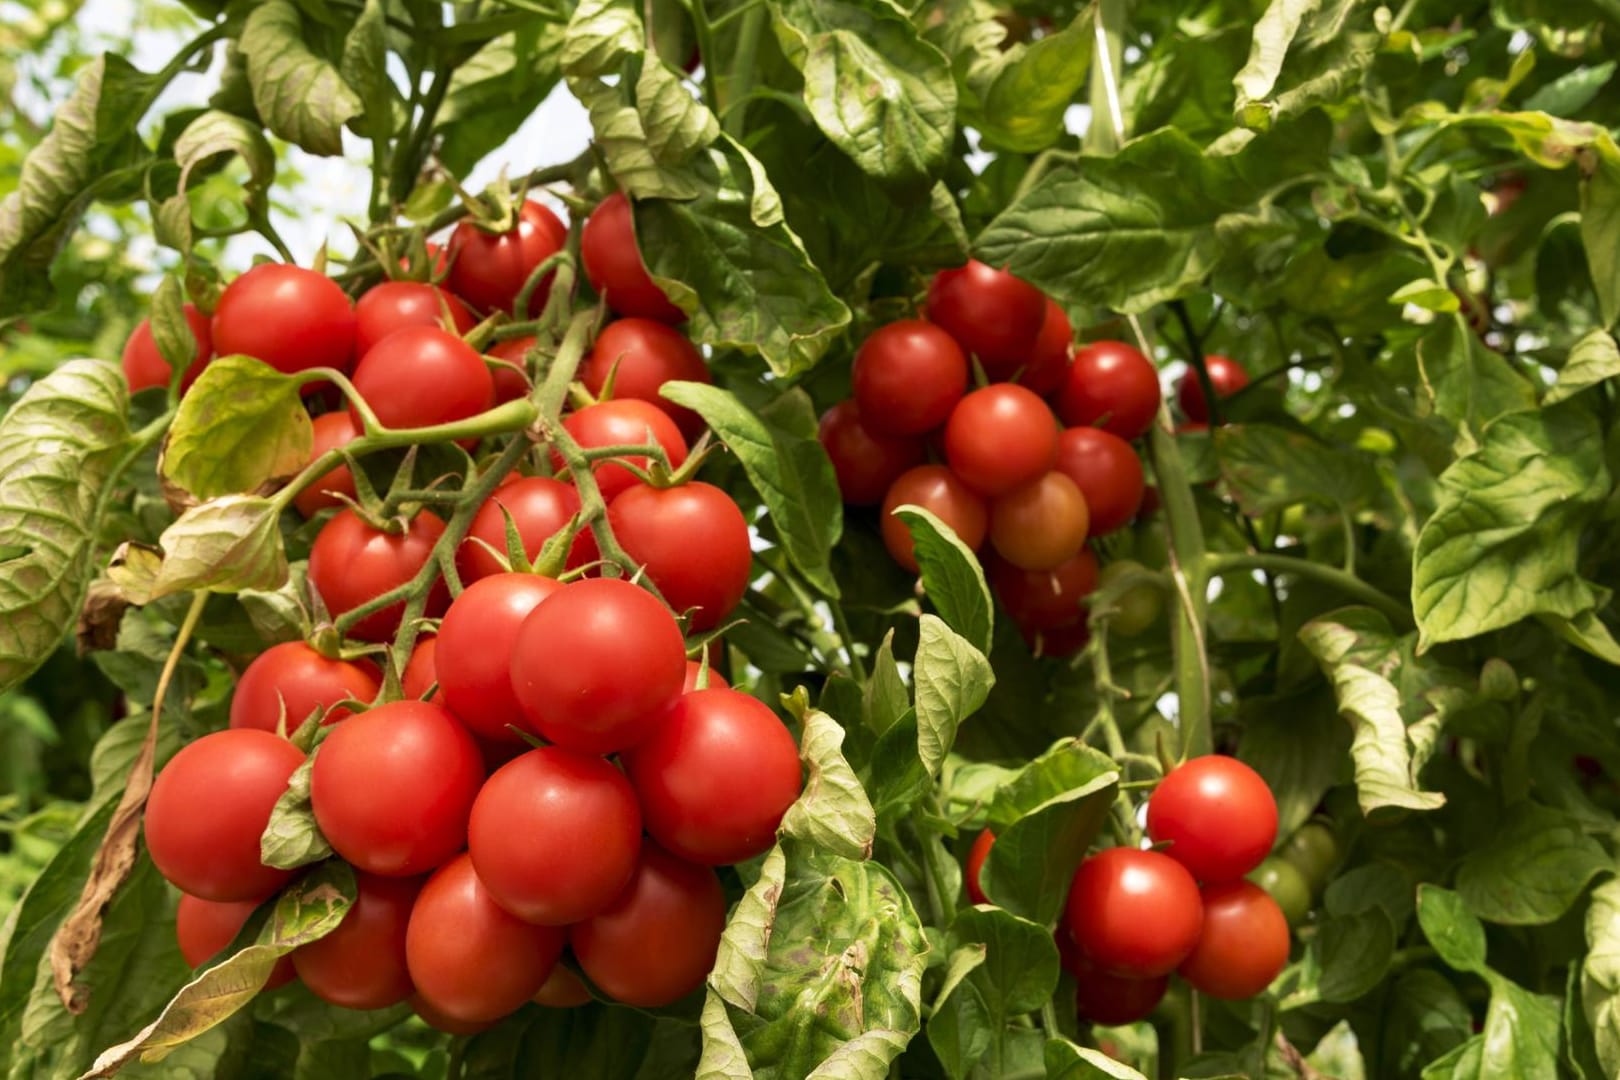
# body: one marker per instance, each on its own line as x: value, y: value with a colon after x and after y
x: 999, y: 438
x: 658, y: 940
x: 693, y: 542
x: 991, y: 314
x: 908, y: 377
x: 1045, y: 599
x: 613, y: 263
x: 624, y: 422
x: 1133, y: 913
x: 395, y: 305
x: 511, y: 382
x: 392, y: 788
x: 361, y: 964
x: 303, y: 679
x: 715, y: 777
x: 555, y: 835
x: 350, y: 562
x: 469, y: 959
x: 332, y: 430
x: 1039, y: 525
x: 210, y: 805
x: 648, y: 354
x: 1216, y: 814
x: 1225, y: 375
x: 1111, y: 1000
x: 441, y: 1021
x: 937, y: 490
x: 1108, y: 473
x: 205, y: 928
x: 144, y: 366
x: 291, y: 318
x: 488, y: 270
x: 540, y: 507
x: 975, y: 863
x: 1054, y: 347
x: 1112, y: 386
x: 595, y: 666
x: 865, y: 463
x: 420, y: 376
x: 474, y: 657
x: 422, y: 671
x: 1244, y: 943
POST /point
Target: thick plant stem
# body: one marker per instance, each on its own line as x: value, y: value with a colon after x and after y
x: 1188, y: 574
x: 1107, y: 130
x: 741, y: 82
x: 1349, y: 584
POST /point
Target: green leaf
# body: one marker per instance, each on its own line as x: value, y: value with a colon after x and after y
x: 364, y: 67
x: 224, y: 545
x: 1451, y: 928
x: 1269, y: 468
x: 952, y: 576
x: 1273, y: 34
x: 1503, y: 542
x: 952, y: 680
x: 787, y: 466
x: 1530, y: 870
x: 1600, y: 227
x: 723, y: 1056
x: 57, y: 448
x: 92, y: 151
x: 677, y: 124
x: 171, y: 331
x: 728, y: 258
x: 1600, y: 974
x: 300, y: 96
x: 1593, y: 359
x: 1066, y: 1061
x: 242, y: 426
x: 1300, y: 747
x: 1572, y: 91
x: 1045, y: 818
x: 1152, y: 222
x: 833, y: 812
x: 882, y: 94
x: 1018, y: 972
x: 600, y: 34
x: 1354, y: 953
x: 492, y: 94
x: 739, y: 967
x: 293, y: 838
x: 1310, y: 43
x: 214, y: 133
x: 1429, y: 295
x: 306, y: 912
x: 885, y: 699
x: 1427, y: 1018
x: 1466, y: 382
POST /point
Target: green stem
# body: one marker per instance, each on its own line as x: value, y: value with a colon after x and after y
x: 1188, y: 576
x: 408, y: 158
x: 857, y: 666
x: 743, y: 69
x: 1349, y: 584
x: 1107, y: 130
x: 703, y: 30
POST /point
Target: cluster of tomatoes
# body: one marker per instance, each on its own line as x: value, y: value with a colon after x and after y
x: 1135, y: 915
x: 1035, y: 461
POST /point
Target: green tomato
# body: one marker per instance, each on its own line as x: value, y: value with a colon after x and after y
x: 1314, y: 851
x: 1138, y: 607
x: 1283, y: 880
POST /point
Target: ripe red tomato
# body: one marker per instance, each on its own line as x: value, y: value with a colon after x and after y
x: 395, y: 305
x: 624, y: 422
x: 1112, y: 1000
x: 421, y: 672
x: 1225, y: 375
x: 392, y: 787
x: 295, y: 676
x: 421, y: 376
x: 1039, y: 525
x: 564, y: 990
x: 648, y: 354
x: 692, y: 540
x: 539, y: 507
x: 975, y: 862
x: 350, y: 563
x: 937, y: 490
x: 1049, y: 362
x: 1111, y: 386
x: 1217, y: 815
x: 908, y: 377
x: 716, y: 776
x: 441, y: 1021
x: 489, y: 269
x: 595, y: 666
x: 992, y: 314
x: 1244, y: 943
x: 291, y: 318
x: 864, y: 462
x: 613, y: 263
x: 555, y: 835
x: 471, y: 960
x: 145, y: 367
x: 210, y: 805
x: 361, y: 964
x: 1045, y: 599
x: 999, y: 438
x: 474, y: 657
x: 511, y: 382
x: 658, y: 940
x: 1107, y: 472
x: 332, y: 430
x: 205, y: 928
x: 693, y: 667
x: 1133, y: 913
